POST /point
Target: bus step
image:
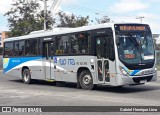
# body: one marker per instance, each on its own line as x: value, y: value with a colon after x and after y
x: 50, y: 80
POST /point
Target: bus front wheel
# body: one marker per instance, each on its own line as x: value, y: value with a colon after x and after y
x: 86, y: 80
x: 26, y: 75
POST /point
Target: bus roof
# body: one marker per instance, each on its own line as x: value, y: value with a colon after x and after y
x: 58, y: 31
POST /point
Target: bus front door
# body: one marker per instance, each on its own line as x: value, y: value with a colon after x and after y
x: 102, y: 51
x: 48, y: 65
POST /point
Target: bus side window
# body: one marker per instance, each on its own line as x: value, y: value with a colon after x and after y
x: 30, y: 47
x: 16, y: 48
x: 83, y: 43
x: 63, y: 45
x: 21, y: 48
x: 111, y: 48
x: 8, y: 49
x: 74, y: 44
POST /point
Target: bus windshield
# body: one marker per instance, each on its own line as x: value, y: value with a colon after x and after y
x: 135, y: 47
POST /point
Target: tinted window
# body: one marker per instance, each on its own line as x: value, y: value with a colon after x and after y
x: 74, y: 44
x: 8, y: 49
x: 21, y: 48
x: 83, y: 43
x: 111, y: 48
x: 16, y: 48
x: 39, y: 47
x: 31, y: 47
x: 63, y: 45
x: 80, y: 43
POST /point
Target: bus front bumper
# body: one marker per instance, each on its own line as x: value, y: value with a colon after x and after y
x: 133, y: 80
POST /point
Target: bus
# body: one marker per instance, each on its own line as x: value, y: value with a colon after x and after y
x: 114, y: 54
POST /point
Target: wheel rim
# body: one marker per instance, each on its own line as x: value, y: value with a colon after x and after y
x: 87, y: 79
x: 26, y: 77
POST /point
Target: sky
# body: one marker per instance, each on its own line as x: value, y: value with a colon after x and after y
x: 116, y: 10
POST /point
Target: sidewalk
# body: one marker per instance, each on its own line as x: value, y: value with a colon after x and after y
x: 158, y: 73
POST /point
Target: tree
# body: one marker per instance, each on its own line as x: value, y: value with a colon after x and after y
x: 23, y: 18
x: 155, y: 37
x: 104, y: 19
x: 72, y: 20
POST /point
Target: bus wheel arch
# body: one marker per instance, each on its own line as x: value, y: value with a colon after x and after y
x: 26, y: 75
x: 84, y: 78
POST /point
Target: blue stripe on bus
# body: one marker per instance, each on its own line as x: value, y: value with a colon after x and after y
x: 131, y: 72
x: 135, y: 72
x: 10, y: 63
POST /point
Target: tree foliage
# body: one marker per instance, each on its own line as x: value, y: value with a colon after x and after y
x: 104, y: 19
x: 23, y: 18
x: 72, y: 20
x: 155, y: 36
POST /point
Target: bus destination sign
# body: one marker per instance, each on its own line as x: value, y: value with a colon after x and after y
x: 132, y: 28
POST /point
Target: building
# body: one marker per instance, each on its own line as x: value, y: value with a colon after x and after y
x: 1, y: 40
x: 3, y: 35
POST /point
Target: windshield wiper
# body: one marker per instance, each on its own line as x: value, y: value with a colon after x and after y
x: 133, y: 40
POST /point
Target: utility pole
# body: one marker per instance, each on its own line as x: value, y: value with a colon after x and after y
x: 45, y: 14
x: 140, y: 17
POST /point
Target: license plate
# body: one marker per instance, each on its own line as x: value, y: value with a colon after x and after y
x: 143, y: 81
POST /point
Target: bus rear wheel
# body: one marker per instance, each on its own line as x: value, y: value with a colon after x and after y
x: 86, y: 80
x: 26, y: 75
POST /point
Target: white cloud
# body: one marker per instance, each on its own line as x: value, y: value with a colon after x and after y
x: 58, y: 6
x: 155, y: 0
x: 129, y: 5
x: 152, y: 20
x: 5, y: 6
x: 3, y: 28
x: 69, y: 1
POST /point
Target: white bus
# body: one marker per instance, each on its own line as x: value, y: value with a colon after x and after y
x: 115, y: 54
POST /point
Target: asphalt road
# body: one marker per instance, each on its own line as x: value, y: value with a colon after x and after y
x: 14, y: 93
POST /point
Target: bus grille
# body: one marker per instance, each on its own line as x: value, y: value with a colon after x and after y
x: 138, y: 79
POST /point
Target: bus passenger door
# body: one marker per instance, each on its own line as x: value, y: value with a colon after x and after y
x: 48, y: 65
x: 102, y: 51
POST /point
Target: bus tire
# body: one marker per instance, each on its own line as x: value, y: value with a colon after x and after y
x: 26, y: 75
x: 86, y: 80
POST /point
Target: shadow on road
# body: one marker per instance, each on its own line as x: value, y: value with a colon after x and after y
x: 125, y: 89
x: 35, y: 82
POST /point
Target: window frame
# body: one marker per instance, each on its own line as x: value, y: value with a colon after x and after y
x: 38, y: 51
x: 4, y: 51
x: 56, y: 44
x: 69, y: 35
x: 31, y: 55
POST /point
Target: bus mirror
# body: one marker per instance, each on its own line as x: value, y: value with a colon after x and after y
x: 117, y: 41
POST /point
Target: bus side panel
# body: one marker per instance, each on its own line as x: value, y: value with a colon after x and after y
x: 36, y: 72
x: 67, y: 67
x: 112, y: 71
x: 13, y: 66
x: 14, y: 73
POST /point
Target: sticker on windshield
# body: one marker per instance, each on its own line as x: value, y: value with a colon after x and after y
x: 129, y: 54
x: 148, y: 57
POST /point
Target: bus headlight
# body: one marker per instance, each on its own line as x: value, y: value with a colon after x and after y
x: 124, y: 72
x: 155, y: 70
